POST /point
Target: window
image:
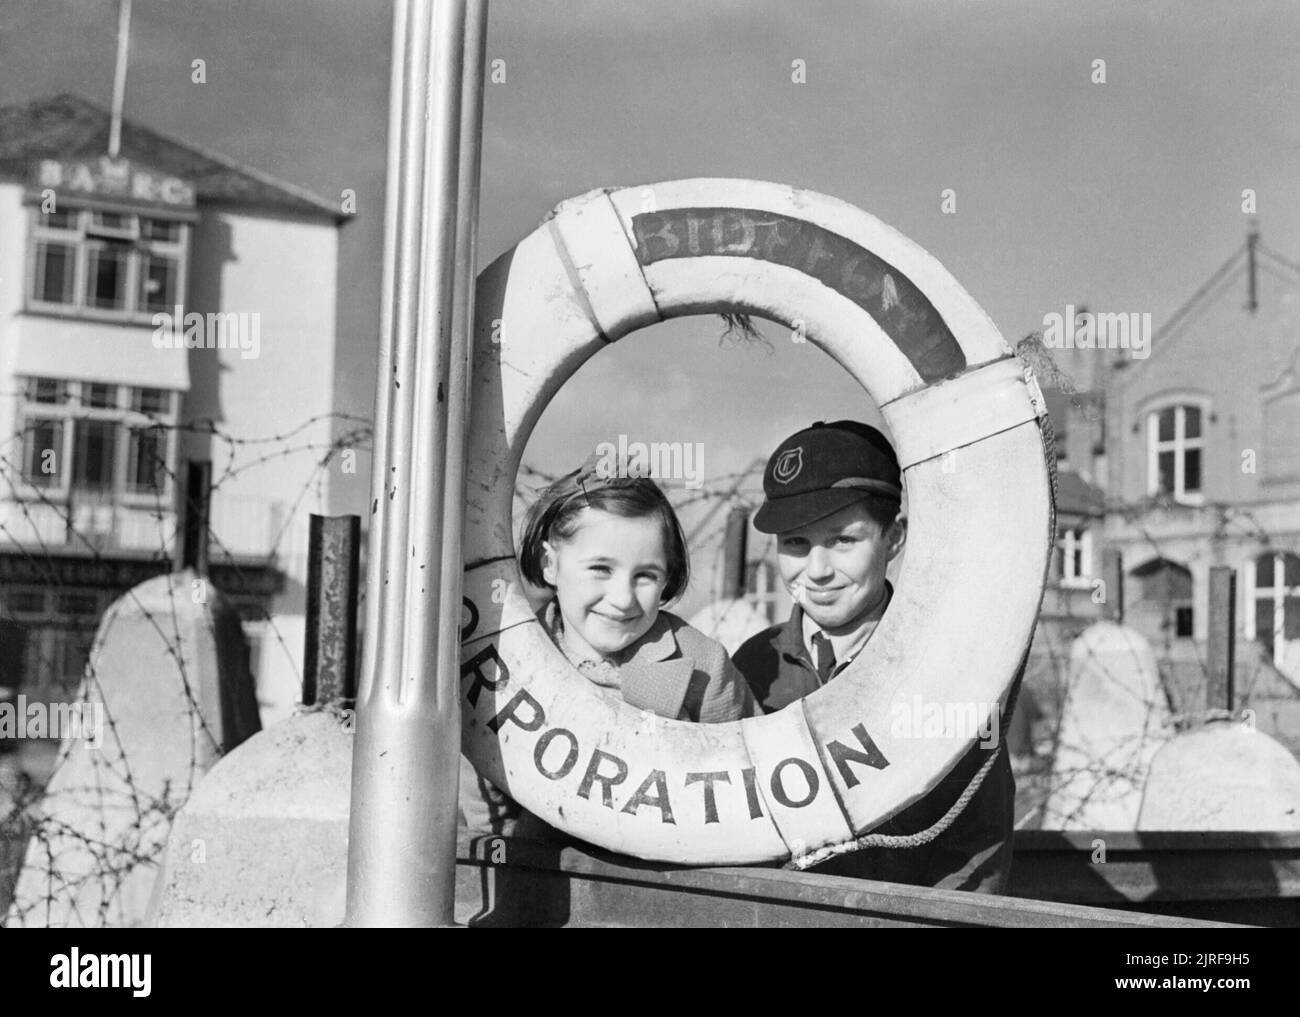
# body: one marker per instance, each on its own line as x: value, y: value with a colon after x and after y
x: 1280, y: 456
x: 1175, y: 447
x: 1274, y: 602
x: 106, y: 274
x: 1075, y: 556
x: 56, y: 269
x: 56, y: 630
x: 152, y: 401
x: 77, y: 603
x: 82, y: 437
x: 47, y: 390
x: 25, y: 601
x: 42, y: 446
x: 107, y: 264
x: 94, y: 454
x: 113, y: 224
x: 147, y: 460
x: 99, y: 396
x: 158, y: 282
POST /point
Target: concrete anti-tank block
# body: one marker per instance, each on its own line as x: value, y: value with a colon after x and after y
x: 263, y: 841
x: 168, y: 691
x: 1223, y: 776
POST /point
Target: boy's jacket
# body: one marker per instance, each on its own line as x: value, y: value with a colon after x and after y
x: 972, y: 854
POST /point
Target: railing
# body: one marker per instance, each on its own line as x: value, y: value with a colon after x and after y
x: 509, y: 882
x: 86, y: 522
x: 92, y: 521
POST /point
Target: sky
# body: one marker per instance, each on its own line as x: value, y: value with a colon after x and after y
x: 1124, y: 194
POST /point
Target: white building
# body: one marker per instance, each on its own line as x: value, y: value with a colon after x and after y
x: 104, y: 399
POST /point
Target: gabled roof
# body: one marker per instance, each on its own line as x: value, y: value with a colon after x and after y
x: 1267, y: 325
x: 68, y: 126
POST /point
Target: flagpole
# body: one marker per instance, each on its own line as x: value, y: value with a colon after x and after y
x: 119, y: 77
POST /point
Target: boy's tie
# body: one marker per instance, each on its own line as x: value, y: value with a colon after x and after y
x: 825, y: 657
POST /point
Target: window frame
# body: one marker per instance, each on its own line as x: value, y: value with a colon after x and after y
x: 83, y: 235
x: 1179, y: 445
x: 1277, y: 593
x: 72, y: 410
x: 1076, y: 541
x: 55, y: 638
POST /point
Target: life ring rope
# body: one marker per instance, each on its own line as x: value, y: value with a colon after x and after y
x: 944, y: 822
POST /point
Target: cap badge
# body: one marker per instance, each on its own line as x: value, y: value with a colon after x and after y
x: 788, y: 465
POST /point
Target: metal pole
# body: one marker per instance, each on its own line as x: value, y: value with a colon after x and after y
x: 329, y: 672
x: 1221, y: 638
x: 402, y: 169
x: 401, y: 853
x: 196, y: 510
x: 1112, y: 571
x: 755, y: 467
x: 458, y: 410
x: 735, y: 567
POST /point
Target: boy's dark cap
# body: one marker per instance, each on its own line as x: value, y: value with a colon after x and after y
x: 822, y: 469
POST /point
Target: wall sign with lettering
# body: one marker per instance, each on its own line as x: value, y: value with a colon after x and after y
x: 113, y: 180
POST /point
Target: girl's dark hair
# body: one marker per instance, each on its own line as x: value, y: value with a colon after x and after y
x: 554, y: 517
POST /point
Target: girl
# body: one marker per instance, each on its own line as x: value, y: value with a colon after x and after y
x: 612, y: 552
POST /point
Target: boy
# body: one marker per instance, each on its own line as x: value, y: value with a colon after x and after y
x: 832, y: 496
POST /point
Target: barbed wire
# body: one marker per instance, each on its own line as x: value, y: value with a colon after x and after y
x: 1063, y: 795
x: 80, y: 871
x: 108, y: 855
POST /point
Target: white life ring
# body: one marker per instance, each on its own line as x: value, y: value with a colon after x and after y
x: 838, y: 763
